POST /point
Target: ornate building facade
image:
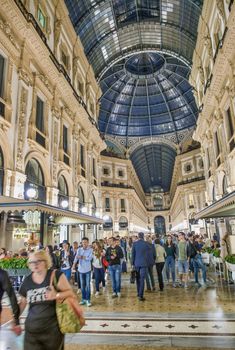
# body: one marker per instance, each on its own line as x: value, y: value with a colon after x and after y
x: 213, y: 78
x: 49, y: 142
x: 51, y: 147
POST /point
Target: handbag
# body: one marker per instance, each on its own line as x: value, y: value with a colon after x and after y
x: 104, y: 262
x: 69, y: 313
x: 133, y: 276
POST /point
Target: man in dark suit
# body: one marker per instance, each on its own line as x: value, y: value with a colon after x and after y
x: 140, y: 251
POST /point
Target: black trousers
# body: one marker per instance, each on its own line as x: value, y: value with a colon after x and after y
x: 159, y: 267
x: 50, y: 339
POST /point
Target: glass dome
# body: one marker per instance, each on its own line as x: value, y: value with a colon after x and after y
x: 146, y: 94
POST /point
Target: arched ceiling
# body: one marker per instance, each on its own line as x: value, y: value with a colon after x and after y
x: 141, y: 53
x: 154, y: 166
x: 109, y: 29
x: 146, y: 94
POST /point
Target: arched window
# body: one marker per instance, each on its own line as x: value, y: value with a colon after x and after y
x: 63, y: 195
x: 81, y: 198
x: 157, y: 201
x: 34, y: 186
x: 108, y: 223
x: 1, y: 171
x: 225, y: 185
x: 123, y: 223
x: 159, y: 225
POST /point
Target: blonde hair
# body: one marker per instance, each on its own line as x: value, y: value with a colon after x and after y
x: 42, y: 255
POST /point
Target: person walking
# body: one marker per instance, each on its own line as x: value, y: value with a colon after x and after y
x: 183, y: 260
x: 160, y: 262
x: 84, y: 257
x: 66, y: 259
x: 6, y: 286
x: 140, y: 261
x: 171, y: 253
x: 113, y: 255
x: 41, y: 326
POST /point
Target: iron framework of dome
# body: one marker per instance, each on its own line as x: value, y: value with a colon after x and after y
x: 110, y: 29
x: 146, y: 94
x: 141, y: 52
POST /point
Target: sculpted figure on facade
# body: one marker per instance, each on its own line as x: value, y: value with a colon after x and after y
x: 201, y: 75
x: 21, y: 129
x: 55, y: 152
x: 75, y: 67
x: 208, y: 44
x: 220, y: 7
x: 57, y: 31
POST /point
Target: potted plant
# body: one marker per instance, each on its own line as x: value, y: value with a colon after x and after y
x: 15, y: 266
x: 230, y: 262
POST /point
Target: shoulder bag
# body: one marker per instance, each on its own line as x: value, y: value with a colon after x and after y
x: 69, y: 313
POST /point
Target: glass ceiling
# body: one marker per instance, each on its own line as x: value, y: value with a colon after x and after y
x: 154, y: 166
x: 109, y: 29
x: 141, y: 53
x: 147, y: 94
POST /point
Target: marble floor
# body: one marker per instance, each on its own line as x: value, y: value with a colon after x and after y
x: 178, y: 318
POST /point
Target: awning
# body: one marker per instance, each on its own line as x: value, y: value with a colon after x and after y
x: 224, y: 207
x: 62, y: 216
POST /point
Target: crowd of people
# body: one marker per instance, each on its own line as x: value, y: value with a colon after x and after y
x: 174, y: 256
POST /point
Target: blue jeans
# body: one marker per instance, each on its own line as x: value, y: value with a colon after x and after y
x: 85, y: 280
x: 198, y: 264
x: 115, y: 274
x: 99, y: 277
x: 141, y: 273
x: 67, y: 273
x: 170, y: 266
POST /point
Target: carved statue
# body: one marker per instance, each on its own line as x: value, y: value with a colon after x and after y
x: 208, y: 44
x: 57, y: 32
x: 220, y: 6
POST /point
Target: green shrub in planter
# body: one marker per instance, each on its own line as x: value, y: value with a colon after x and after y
x: 208, y: 250
x: 230, y: 258
x: 14, y: 263
x: 216, y: 253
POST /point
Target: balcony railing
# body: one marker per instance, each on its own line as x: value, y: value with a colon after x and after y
x: 188, y: 181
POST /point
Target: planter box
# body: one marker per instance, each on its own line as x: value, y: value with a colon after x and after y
x: 230, y: 267
x: 205, y: 258
x: 218, y: 260
x: 18, y: 272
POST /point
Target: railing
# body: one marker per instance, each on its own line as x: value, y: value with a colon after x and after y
x: 184, y: 182
x: 116, y: 185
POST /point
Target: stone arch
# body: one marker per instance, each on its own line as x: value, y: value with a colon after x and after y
x: 41, y: 160
x: 160, y: 225
x: 67, y: 177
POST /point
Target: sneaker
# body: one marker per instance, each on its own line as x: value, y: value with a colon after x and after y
x: 174, y: 285
x: 78, y: 291
x: 82, y: 302
x: 197, y: 284
x: 185, y: 286
x: 88, y: 303
x: 97, y: 294
x: 119, y: 295
x: 180, y: 284
x: 114, y: 295
x: 141, y: 299
x: 104, y: 289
